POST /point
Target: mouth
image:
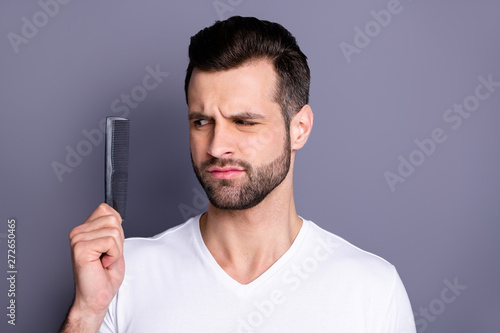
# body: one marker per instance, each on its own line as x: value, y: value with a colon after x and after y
x: 225, y: 172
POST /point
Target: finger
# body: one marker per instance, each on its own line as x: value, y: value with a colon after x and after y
x: 87, y: 236
x: 87, y: 252
x: 103, y: 222
x: 106, y: 221
x: 110, y: 262
x: 102, y: 210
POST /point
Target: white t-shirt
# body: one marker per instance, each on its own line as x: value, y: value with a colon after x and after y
x: 321, y: 284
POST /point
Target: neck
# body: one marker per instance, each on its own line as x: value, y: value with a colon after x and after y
x: 245, y: 243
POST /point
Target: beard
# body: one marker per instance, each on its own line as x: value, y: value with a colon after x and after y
x: 239, y: 194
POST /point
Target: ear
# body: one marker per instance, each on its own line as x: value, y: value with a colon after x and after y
x: 300, y: 127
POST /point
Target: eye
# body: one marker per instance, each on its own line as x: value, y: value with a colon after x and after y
x: 244, y: 122
x: 201, y: 122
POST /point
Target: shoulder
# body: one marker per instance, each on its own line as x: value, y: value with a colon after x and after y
x: 174, y: 240
x: 364, y: 285
x: 346, y: 258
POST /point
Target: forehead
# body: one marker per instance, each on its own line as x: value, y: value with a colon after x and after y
x: 253, y: 81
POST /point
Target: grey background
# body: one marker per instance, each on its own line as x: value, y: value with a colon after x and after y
x: 440, y: 224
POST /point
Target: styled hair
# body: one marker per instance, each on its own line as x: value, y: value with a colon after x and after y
x: 231, y: 43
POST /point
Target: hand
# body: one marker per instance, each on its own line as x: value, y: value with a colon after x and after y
x: 98, y: 267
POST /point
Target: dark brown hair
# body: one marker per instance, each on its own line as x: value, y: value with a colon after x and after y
x: 231, y: 43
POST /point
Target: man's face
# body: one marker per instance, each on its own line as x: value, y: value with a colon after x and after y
x: 240, y: 148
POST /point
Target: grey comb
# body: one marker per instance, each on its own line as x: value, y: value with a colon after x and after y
x: 116, y: 163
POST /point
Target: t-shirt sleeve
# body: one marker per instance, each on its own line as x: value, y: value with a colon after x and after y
x: 399, y: 318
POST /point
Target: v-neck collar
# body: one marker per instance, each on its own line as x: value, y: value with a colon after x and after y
x: 226, y: 279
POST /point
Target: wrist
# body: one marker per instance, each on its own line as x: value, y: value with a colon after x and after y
x: 80, y: 320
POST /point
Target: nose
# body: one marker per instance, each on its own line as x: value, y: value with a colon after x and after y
x: 222, y: 144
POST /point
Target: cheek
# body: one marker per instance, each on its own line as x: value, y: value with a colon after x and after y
x: 198, y: 147
x: 263, y: 145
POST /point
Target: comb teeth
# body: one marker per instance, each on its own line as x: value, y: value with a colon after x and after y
x: 116, y: 159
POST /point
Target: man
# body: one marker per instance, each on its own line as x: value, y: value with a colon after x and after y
x: 250, y: 263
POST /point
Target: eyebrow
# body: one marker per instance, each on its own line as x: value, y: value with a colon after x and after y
x: 240, y: 115
x: 247, y: 115
x: 197, y: 115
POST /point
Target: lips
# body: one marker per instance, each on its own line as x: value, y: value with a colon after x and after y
x: 225, y: 172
